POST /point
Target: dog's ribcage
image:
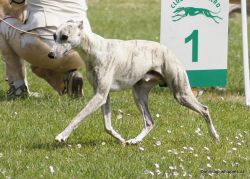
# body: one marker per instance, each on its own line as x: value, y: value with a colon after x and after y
x: 129, y: 61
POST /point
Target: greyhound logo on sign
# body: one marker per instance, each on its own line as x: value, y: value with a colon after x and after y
x: 182, y: 12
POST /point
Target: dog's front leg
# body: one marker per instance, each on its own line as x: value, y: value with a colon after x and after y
x: 101, y: 87
x: 106, y: 110
x: 97, y: 101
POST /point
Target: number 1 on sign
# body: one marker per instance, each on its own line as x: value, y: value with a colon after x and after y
x: 194, y: 36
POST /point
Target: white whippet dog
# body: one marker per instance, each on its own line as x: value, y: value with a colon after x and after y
x: 114, y: 65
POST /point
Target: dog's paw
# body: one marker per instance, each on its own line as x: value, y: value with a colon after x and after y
x: 61, y: 138
x: 214, y: 134
x: 121, y: 140
x: 216, y: 137
x: 132, y: 141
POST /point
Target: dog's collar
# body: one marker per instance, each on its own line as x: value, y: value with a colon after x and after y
x: 17, y: 1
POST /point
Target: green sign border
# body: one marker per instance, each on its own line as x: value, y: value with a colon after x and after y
x: 207, y: 78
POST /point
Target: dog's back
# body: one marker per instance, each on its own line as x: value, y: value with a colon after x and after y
x: 144, y: 50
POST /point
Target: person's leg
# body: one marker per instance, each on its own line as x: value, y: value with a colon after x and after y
x: 35, y: 50
x: 55, y: 79
x: 62, y: 74
x: 15, y: 71
x: 14, y: 65
x: 70, y: 82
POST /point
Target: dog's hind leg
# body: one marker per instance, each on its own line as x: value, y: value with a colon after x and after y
x: 183, y: 94
x: 106, y: 110
x: 140, y: 93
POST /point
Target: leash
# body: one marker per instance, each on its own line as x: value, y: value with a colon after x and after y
x: 23, y: 31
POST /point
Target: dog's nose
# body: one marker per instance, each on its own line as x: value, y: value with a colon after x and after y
x: 51, y: 55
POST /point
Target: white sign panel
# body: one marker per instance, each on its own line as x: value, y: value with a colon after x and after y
x: 197, y: 32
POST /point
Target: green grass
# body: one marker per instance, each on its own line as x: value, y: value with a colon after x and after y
x: 28, y: 126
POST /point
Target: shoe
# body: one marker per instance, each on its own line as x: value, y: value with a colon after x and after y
x: 21, y: 91
x: 220, y: 89
x: 74, y: 84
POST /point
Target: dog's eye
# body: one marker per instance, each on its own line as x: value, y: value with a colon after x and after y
x: 64, y: 37
x: 54, y: 36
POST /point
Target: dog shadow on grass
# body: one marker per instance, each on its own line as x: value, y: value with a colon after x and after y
x: 74, y: 144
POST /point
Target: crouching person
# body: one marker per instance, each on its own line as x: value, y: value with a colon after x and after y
x: 41, y: 21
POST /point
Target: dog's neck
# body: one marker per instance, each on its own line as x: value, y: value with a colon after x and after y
x: 91, y: 42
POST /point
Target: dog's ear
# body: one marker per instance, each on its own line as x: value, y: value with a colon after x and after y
x: 81, y: 25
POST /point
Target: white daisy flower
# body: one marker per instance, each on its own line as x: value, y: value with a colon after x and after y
x: 119, y: 116
x: 158, y: 143
x: 191, y: 148
x: 79, y: 146
x: 171, y: 167
x: 146, y: 172
x: 206, y: 148
x: 166, y: 175
x: 157, y: 165
x: 51, y: 169
x: 175, y: 173
x: 158, y: 172
x: 120, y: 111
x: 234, y: 148
x: 141, y: 149
x: 151, y: 173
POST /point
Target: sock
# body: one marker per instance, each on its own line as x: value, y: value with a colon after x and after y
x: 18, y: 83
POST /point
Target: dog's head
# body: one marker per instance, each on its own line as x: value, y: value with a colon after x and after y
x: 67, y: 37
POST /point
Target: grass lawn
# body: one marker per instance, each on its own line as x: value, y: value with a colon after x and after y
x: 179, y: 146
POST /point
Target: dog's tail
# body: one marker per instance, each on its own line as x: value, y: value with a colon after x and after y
x: 176, y: 77
x: 178, y: 82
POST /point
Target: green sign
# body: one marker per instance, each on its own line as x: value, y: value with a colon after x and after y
x: 197, y: 32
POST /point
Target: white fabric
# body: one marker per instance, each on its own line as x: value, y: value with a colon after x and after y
x: 52, y: 13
